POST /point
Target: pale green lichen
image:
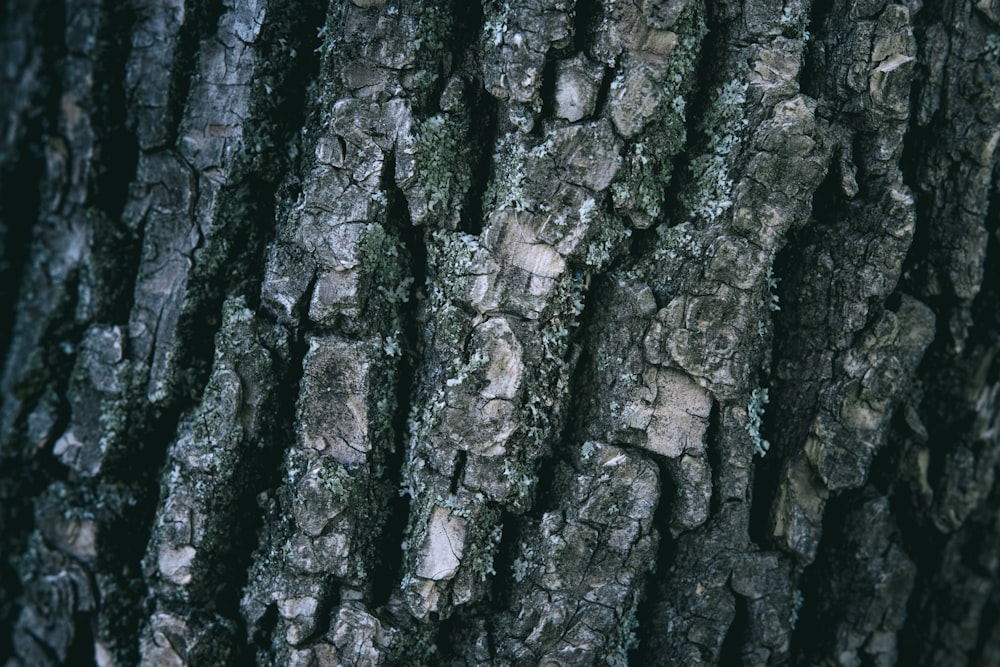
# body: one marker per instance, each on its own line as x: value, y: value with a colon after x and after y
x: 495, y: 26
x: 772, y: 287
x: 797, y: 600
x: 415, y: 646
x: 506, y: 188
x: 483, y: 530
x: 993, y: 45
x: 794, y: 20
x: 434, y: 33
x: 520, y: 475
x: 484, y: 540
x: 675, y: 242
x: 384, y: 261
x: 462, y: 371
x: 442, y: 157
x: 338, y: 479
x: 755, y: 414
x: 524, y: 563
x: 625, y: 639
x: 607, y: 237
x: 723, y: 126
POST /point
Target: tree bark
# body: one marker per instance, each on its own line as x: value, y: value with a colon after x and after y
x: 553, y: 332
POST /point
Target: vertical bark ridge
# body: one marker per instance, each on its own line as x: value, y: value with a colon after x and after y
x: 188, y: 230
x: 64, y: 297
x: 105, y: 378
x: 22, y: 127
x: 27, y: 46
x: 948, y: 493
x: 202, y: 538
x: 524, y: 332
x: 509, y: 299
x: 861, y: 175
x: 345, y: 263
x: 718, y: 249
x: 43, y: 287
x: 828, y: 445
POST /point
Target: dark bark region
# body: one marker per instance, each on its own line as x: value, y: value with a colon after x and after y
x: 500, y: 333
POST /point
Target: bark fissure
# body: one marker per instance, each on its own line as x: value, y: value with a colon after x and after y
x: 731, y: 652
x: 483, y: 133
x: 412, y: 344
x: 586, y: 13
x: 520, y: 331
x: 116, y: 142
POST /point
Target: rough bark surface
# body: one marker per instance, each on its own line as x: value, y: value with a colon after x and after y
x: 553, y: 332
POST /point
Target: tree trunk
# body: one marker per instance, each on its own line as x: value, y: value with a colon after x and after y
x: 554, y: 332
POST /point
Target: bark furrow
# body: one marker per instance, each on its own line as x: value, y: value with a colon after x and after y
x: 562, y: 332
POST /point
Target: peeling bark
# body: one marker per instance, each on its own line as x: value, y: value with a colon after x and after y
x: 504, y: 333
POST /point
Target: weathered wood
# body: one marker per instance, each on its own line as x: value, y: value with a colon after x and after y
x: 506, y: 333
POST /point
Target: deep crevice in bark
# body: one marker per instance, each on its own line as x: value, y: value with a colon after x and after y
x: 397, y: 517
x: 818, y: 14
x: 547, y: 91
x: 459, y: 471
x: 508, y: 551
x: 262, y: 641
x: 714, y: 456
x: 116, y: 249
x: 81, y: 651
x: 987, y: 626
x: 932, y: 605
x: 127, y: 525
x: 765, y: 479
x: 808, y: 627
x: 731, y: 652
x: 21, y: 182
x: 444, y: 638
x: 985, y: 330
x: 20, y: 198
x: 604, y: 90
x: 118, y: 145
x: 921, y: 541
x: 885, y: 464
x: 944, y: 410
x: 117, y: 252
x: 642, y: 243
x: 483, y: 129
x: 584, y: 18
x: 811, y: 634
x: 648, y: 615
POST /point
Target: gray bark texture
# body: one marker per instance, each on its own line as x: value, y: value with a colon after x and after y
x: 514, y: 332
